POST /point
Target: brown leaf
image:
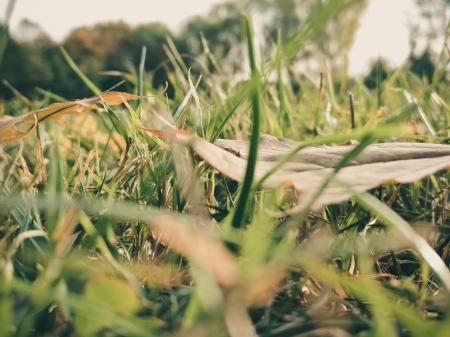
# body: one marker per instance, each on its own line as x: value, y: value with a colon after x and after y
x: 14, y: 128
x: 379, y: 164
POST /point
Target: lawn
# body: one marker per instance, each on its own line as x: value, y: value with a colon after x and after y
x: 120, y: 217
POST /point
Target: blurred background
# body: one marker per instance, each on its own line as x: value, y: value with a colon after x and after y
x: 105, y: 38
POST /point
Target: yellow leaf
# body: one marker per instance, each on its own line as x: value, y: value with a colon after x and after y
x: 15, y: 128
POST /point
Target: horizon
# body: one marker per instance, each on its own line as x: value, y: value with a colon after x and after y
x: 390, y: 41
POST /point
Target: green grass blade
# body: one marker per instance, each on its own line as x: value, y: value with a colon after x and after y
x: 232, y: 105
x: 393, y: 220
x: 245, y: 196
x: 141, y: 78
x: 355, y: 152
x: 378, y: 133
x: 81, y: 304
x: 96, y: 90
x: 284, y: 118
x: 312, y: 28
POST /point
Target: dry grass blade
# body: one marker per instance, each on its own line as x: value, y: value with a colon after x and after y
x: 392, y: 219
x: 15, y: 128
x: 198, y: 247
x: 260, y: 288
x: 237, y: 319
x: 378, y: 164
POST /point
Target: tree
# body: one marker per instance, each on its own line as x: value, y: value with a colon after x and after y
x: 378, y: 73
x: 221, y: 28
x: 434, y: 28
x: 422, y: 65
x: 25, y: 66
x: 428, y: 37
x: 105, y: 46
x: 153, y: 36
x: 334, y: 41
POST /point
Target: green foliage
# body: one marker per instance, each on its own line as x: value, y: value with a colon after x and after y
x: 4, y: 31
x: 222, y: 30
x: 246, y: 193
x: 423, y: 65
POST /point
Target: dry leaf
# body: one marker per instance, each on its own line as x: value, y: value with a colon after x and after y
x: 379, y: 164
x: 14, y: 128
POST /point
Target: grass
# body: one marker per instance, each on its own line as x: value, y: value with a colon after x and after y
x: 116, y: 232
x: 240, y: 213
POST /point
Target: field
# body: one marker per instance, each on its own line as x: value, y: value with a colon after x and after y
x: 117, y: 221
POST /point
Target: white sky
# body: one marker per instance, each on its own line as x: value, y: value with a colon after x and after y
x: 383, y: 31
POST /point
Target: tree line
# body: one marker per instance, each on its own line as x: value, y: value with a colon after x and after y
x: 107, y: 49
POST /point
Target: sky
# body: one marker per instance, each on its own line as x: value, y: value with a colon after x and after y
x: 383, y: 28
x: 383, y: 32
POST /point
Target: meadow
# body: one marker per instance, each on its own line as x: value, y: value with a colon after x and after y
x: 119, y: 217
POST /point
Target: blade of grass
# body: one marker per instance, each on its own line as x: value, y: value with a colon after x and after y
x: 314, y: 25
x: 51, y: 95
x: 90, y: 229
x: 231, y: 106
x: 82, y: 304
x: 346, y: 160
x: 377, y: 133
x: 245, y: 196
x: 95, y: 89
x: 379, y: 85
x: 141, y: 79
x: 312, y: 28
x: 393, y: 220
x: 284, y: 118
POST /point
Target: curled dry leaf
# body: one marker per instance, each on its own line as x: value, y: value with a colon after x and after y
x: 378, y: 164
x: 14, y: 128
x: 199, y: 247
